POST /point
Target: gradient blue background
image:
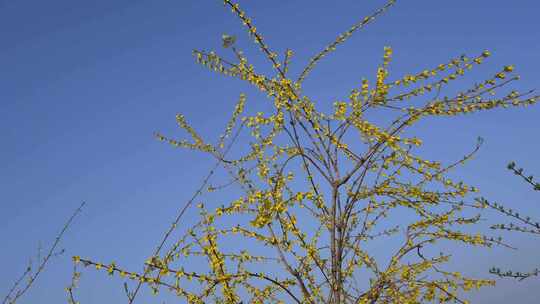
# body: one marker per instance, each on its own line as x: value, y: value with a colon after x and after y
x: 84, y: 84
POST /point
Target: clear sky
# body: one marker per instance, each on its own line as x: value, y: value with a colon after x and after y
x: 84, y: 84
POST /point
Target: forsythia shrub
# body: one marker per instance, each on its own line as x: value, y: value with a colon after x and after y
x: 319, y: 187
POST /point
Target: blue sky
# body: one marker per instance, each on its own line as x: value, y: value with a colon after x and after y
x: 84, y: 85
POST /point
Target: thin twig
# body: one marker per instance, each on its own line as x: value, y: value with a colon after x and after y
x: 14, y: 294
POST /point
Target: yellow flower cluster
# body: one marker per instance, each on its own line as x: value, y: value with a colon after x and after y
x: 381, y: 88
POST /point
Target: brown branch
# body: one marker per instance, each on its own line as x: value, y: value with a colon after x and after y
x: 11, y: 298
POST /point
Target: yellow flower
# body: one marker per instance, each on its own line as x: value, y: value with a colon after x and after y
x: 110, y: 269
x: 509, y: 68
